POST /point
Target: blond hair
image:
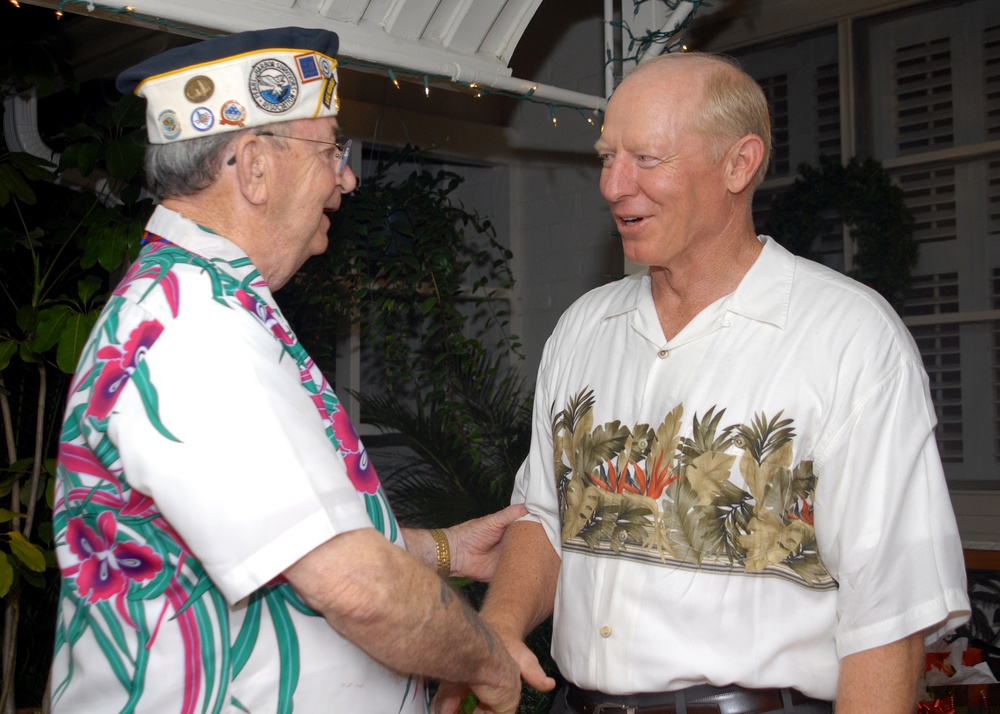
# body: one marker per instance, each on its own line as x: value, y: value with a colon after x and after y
x: 733, y: 104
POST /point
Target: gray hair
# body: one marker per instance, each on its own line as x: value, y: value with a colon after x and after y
x: 184, y: 168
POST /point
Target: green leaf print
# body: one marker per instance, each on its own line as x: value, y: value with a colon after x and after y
x: 246, y: 640
x: 288, y: 651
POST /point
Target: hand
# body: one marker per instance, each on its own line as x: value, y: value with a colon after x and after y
x: 475, y: 544
x: 449, y: 698
x: 501, y: 696
x: 527, y: 662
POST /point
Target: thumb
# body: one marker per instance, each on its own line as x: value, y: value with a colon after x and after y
x: 531, y: 671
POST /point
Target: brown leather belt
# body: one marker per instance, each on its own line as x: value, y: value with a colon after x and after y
x: 728, y: 700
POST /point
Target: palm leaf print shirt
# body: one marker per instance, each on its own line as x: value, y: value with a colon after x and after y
x: 748, y: 502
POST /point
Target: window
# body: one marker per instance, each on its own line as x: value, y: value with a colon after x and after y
x: 924, y: 95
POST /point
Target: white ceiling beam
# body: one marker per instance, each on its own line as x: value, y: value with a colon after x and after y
x: 363, y: 41
x: 409, y: 19
x: 344, y: 10
x: 508, y: 28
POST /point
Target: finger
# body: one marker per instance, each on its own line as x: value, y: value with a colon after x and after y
x: 511, y: 513
x: 447, y: 703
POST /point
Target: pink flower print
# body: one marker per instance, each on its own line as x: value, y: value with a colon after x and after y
x: 107, y: 567
x: 265, y: 314
x: 359, y: 468
x: 118, y: 365
x: 157, y: 271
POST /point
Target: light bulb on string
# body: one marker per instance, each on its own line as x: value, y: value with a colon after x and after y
x: 392, y: 76
x: 15, y: 3
x: 552, y: 113
x: 427, y: 89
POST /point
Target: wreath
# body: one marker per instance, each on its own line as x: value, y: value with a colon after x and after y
x: 869, y: 204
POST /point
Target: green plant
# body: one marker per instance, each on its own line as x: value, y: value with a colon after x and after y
x: 408, y: 264
x: 869, y: 204
x: 60, y: 249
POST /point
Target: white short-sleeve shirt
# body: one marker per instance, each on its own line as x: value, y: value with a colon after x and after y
x: 745, y: 503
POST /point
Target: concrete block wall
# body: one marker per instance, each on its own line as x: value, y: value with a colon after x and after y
x: 563, y: 243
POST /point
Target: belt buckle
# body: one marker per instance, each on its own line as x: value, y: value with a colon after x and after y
x: 614, y: 709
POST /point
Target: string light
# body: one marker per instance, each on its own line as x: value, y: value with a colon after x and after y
x: 91, y: 5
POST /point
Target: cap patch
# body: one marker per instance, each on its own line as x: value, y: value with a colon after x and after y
x: 233, y: 113
x: 309, y: 69
x: 170, y: 125
x: 273, y: 86
x: 199, y: 90
x: 202, y: 119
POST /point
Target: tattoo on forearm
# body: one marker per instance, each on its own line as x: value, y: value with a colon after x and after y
x: 448, y: 596
x: 479, y: 627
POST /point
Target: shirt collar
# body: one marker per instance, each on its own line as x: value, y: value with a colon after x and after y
x: 763, y: 294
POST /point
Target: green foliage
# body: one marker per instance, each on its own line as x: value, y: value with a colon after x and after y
x: 406, y: 263
x: 869, y: 204
x: 66, y: 232
x: 461, y: 454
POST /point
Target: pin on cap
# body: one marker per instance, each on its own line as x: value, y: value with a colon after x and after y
x: 243, y: 80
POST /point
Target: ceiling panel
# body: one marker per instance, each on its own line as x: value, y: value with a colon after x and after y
x: 463, y: 41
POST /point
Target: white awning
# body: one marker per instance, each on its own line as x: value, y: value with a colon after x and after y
x: 469, y: 42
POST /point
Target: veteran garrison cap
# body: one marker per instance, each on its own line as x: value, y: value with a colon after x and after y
x: 243, y: 80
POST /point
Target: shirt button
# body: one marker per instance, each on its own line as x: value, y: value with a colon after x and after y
x: 605, y: 631
x: 663, y: 354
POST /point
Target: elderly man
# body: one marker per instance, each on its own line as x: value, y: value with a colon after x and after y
x: 225, y: 544
x: 736, y: 502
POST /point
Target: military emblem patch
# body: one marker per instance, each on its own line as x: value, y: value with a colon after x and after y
x: 199, y: 89
x: 170, y: 125
x: 233, y: 113
x: 202, y: 119
x: 308, y: 67
x: 273, y: 86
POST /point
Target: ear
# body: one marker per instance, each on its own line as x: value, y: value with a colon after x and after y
x: 251, y: 168
x: 745, y: 158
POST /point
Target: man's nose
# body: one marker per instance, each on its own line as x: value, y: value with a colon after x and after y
x: 617, y: 179
x: 347, y: 180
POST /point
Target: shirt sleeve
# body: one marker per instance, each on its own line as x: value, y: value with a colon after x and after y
x: 234, y: 453
x: 535, y: 485
x: 884, y: 523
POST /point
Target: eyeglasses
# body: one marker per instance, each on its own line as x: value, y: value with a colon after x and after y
x: 341, y: 157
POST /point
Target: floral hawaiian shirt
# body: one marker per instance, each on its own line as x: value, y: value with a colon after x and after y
x: 202, y: 454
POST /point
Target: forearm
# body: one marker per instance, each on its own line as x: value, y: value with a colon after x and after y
x: 399, y: 612
x: 421, y: 546
x: 882, y: 680
x: 523, y: 590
